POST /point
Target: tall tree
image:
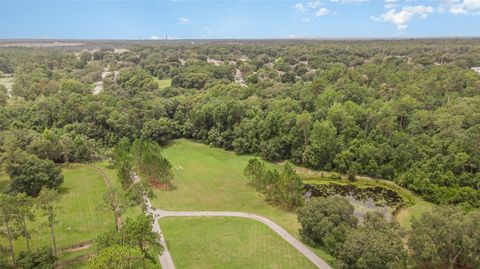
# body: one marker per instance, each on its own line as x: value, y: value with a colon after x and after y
x: 136, y: 193
x: 304, y: 122
x: 291, y: 187
x: 46, y: 201
x: 25, y: 213
x: 149, y: 160
x: 326, y: 221
x: 115, y: 202
x: 446, y: 237
x: 322, y: 146
x: 377, y: 244
x: 123, y: 162
x: 8, y: 213
x: 138, y: 232
x: 255, y: 171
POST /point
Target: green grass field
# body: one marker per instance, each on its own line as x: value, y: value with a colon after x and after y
x: 163, y: 83
x: 208, y: 178
x: 228, y: 243
x: 406, y: 215
x: 79, y: 213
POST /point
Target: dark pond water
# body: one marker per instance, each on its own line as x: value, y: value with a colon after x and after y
x: 364, y: 199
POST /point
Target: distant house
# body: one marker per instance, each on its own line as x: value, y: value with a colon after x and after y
x: 476, y: 69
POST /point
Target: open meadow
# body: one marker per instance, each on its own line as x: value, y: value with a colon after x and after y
x: 209, y: 178
x: 80, y: 213
x: 225, y: 242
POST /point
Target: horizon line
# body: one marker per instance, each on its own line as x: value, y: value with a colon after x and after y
x: 239, y: 39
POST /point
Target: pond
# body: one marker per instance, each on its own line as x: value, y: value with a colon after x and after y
x: 364, y: 199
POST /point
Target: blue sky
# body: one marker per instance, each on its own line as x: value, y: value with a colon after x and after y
x: 148, y: 19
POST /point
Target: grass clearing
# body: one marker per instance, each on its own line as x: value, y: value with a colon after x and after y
x: 406, y: 215
x: 80, y: 214
x: 208, y: 178
x: 163, y: 83
x: 224, y: 242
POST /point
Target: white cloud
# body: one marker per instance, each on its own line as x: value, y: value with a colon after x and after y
x: 389, y: 4
x: 292, y: 36
x: 314, y: 9
x: 184, y: 20
x: 299, y: 7
x: 309, y: 5
x: 154, y: 37
x: 402, y: 17
x: 349, y: 1
x: 460, y: 7
x: 457, y: 10
x: 321, y: 12
x: 313, y: 4
x: 472, y: 4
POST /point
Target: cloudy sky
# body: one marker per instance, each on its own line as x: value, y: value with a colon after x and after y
x: 148, y: 19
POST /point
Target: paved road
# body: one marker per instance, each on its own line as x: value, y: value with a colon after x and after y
x: 275, y: 227
x: 166, y: 259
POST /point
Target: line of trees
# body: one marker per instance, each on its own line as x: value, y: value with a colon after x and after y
x: 446, y: 237
x: 283, y: 188
x: 16, y: 210
x: 146, y: 157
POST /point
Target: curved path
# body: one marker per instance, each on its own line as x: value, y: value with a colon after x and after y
x: 166, y: 259
x: 275, y: 227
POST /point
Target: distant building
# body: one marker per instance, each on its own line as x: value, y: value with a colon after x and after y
x: 476, y: 69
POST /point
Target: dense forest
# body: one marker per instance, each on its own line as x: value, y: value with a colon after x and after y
x: 403, y: 110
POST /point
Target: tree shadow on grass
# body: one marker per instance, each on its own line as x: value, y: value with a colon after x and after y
x: 62, y: 190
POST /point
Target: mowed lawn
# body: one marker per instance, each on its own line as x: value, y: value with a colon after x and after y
x: 203, y: 242
x: 80, y: 215
x: 208, y: 178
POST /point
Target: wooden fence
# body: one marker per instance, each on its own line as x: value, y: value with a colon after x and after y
x: 75, y: 246
x: 100, y: 170
x: 66, y: 263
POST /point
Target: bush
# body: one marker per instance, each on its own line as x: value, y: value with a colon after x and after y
x: 29, y: 174
x: 325, y: 221
x: 40, y: 259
